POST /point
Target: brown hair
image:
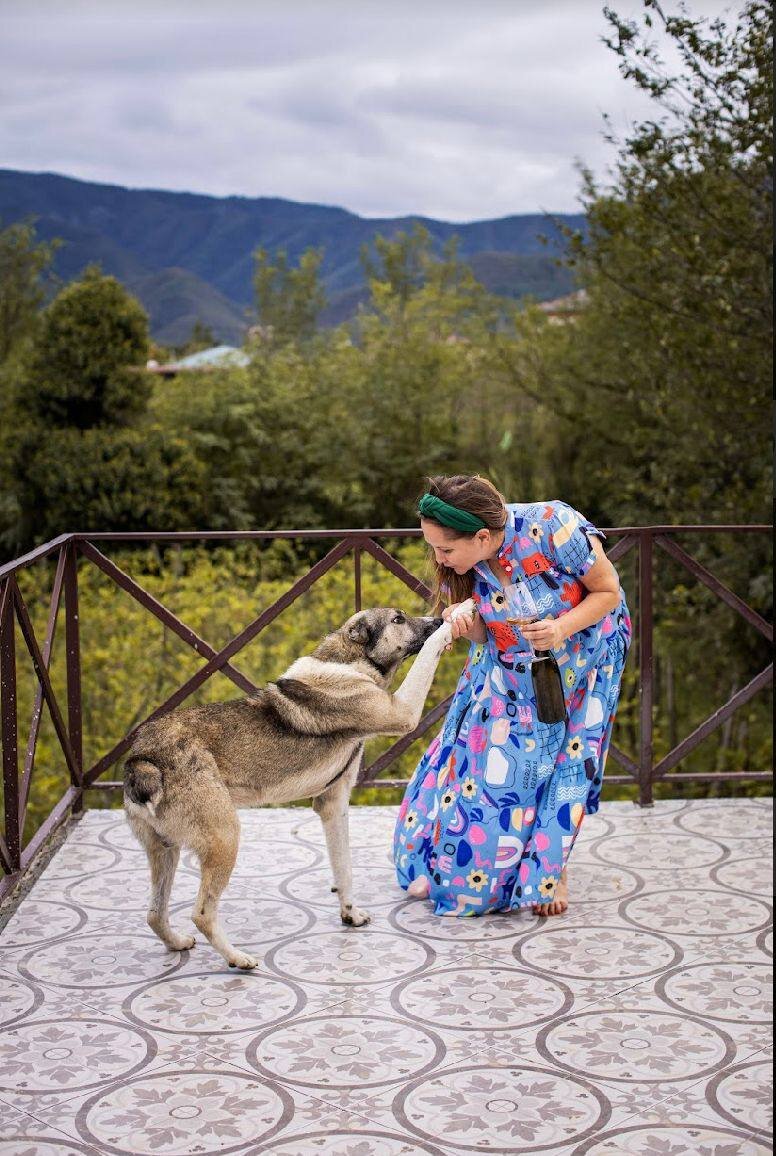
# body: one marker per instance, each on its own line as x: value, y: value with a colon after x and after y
x: 477, y: 496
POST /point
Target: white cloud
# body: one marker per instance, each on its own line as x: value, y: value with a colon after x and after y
x: 447, y: 108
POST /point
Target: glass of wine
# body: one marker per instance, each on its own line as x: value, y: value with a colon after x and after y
x: 521, y: 609
x: 545, y: 674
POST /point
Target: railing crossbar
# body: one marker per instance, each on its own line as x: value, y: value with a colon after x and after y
x: 42, y: 674
x: 710, y: 724
x: 14, y: 858
x: 370, y: 773
x: 222, y: 656
x: 415, y: 584
x: 163, y: 614
x: 699, y: 571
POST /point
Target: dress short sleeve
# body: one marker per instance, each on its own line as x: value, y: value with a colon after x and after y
x: 568, y: 539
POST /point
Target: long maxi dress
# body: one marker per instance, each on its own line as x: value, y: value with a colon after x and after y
x: 491, y: 813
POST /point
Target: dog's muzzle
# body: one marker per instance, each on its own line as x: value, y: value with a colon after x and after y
x: 429, y: 626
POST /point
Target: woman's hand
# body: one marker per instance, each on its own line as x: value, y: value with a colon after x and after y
x: 546, y: 634
x: 463, y: 625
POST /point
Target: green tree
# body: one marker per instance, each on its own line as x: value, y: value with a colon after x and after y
x: 400, y: 264
x: 24, y: 265
x: 288, y: 298
x: 658, y: 393
x: 83, y: 454
x: 111, y: 479
x: 84, y: 369
x: 434, y: 394
x: 675, y: 341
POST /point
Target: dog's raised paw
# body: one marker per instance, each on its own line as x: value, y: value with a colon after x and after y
x: 243, y: 962
x: 355, y: 917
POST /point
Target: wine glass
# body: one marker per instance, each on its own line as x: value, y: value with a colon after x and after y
x: 521, y: 609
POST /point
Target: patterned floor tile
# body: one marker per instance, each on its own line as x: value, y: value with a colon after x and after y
x: 673, y: 1138
x: 190, y: 1107
x: 508, y: 1108
x: 742, y: 1095
x: 733, y: 992
x: 756, y: 879
x: 637, y: 1022
x: 637, y: 1044
x: 375, y: 888
x: 354, y: 1138
x: 23, y: 1135
x: 666, y: 852
x: 572, y: 947
x: 732, y: 819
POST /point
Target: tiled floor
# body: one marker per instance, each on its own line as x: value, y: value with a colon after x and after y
x: 639, y: 1022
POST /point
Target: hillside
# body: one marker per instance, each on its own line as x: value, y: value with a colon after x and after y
x: 188, y: 256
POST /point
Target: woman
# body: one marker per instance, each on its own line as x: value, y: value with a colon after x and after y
x: 491, y: 814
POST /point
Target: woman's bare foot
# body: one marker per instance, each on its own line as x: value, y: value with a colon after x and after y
x: 419, y: 888
x: 559, y: 902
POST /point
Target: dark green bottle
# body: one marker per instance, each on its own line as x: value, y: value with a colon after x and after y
x: 548, y: 688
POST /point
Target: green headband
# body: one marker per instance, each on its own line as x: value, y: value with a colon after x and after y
x: 432, y: 507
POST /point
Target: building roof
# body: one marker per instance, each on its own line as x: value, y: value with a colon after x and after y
x: 571, y: 303
x: 217, y: 357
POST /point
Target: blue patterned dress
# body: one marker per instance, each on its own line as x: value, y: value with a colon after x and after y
x: 490, y: 815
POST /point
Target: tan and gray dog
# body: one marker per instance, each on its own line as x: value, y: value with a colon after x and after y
x: 300, y: 736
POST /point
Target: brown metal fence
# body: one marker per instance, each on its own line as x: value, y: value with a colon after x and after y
x: 15, y: 857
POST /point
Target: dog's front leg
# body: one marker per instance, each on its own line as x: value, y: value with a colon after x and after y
x: 332, y: 807
x: 414, y: 690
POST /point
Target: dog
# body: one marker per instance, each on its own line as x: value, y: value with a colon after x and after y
x: 299, y: 737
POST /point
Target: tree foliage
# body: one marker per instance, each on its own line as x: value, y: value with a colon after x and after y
x: 83, y: 372
x: 82, y: 452
x: 25, y: 264
x: 288, y: 298
x: 676, y: 337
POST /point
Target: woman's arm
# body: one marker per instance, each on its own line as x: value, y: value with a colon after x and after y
x: 603, y: 595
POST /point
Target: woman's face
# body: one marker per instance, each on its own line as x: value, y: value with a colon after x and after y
x: 459, y: 554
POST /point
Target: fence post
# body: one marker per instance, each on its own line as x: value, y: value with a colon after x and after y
x: 646, y: 670
x: 73, y: 663
x: 8, y: 723
x: 357, y: 575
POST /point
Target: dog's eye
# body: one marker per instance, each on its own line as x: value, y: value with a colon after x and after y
x: 398, y: 618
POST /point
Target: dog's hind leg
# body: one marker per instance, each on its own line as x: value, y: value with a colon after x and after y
x: 332, y: 808
x: 216, y: 841
x: 163, y: 861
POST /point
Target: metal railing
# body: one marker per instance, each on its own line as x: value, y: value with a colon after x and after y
x: 15, y: 857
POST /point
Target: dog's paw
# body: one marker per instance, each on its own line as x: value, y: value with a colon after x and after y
x: 467, y: 607
x: 242, y: 961
x: 181, y: 942
x: 355, y: 917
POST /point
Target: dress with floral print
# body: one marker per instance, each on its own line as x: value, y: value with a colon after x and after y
x: 495, y: 804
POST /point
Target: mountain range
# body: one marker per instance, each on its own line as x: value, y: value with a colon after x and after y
x: 189, y: 257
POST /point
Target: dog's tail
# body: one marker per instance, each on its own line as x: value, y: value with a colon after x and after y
x: 143, y: 782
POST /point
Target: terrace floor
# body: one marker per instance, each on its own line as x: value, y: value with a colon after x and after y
x: 639, y: 1022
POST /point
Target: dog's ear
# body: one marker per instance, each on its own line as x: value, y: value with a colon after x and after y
x: 360, y: 632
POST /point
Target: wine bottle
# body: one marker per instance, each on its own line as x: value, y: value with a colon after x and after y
x: 548, y: 688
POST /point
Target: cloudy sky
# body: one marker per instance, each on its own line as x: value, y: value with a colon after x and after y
x: 456, y: 109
